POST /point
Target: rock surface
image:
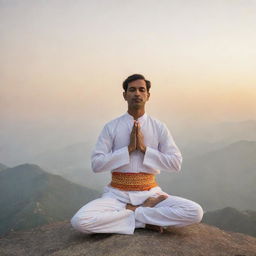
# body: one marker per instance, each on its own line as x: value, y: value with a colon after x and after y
x: 60, y: 239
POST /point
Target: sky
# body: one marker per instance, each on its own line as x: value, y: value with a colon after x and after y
x: 63, y: 63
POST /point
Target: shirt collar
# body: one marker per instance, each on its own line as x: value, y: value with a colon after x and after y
x: 140, y: 119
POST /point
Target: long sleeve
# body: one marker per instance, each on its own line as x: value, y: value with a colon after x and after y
x: 167, y: 157
x: 104, y: 158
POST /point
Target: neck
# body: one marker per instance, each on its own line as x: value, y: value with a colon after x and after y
x: 136, y: 113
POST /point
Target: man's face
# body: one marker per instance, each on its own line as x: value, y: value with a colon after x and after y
x: 136, y: 94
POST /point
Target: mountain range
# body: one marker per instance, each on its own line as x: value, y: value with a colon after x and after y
x: 231, y: 219
x: 197, y: 140
x: 217, y: 170
x: 3, y: 167
x: 29, y: 197
x: 73, y: 163
x: 222, y: 177
x: 217, y: 179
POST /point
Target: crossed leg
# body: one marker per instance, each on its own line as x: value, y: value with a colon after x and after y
x: 104, y: 215
x: 173, y: 211
x: 149, y: 202
x: 108, y: 215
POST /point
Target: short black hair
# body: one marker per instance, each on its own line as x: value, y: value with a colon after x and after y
x: 133, y: 78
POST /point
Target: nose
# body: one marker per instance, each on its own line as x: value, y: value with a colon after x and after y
x: 137, y: 92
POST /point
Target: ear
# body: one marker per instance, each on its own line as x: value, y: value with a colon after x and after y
x: 124, y: 95
x: 148, y: 95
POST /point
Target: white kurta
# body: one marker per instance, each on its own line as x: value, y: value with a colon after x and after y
x: 111, y: 151
x: 108, y: 214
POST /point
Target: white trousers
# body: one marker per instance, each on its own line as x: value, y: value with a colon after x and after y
x: 109, y: 215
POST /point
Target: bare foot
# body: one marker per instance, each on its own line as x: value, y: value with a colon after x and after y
x: 152, y: 201
x: 131, y: 207
x: 155, y: 228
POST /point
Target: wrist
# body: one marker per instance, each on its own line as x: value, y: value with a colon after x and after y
x: 130, y: 149
x: 143, y: 150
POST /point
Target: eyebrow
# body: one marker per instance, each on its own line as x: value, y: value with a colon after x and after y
x: 132, y: 87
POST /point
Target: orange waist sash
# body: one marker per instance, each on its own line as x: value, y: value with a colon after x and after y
x: 133, y: 181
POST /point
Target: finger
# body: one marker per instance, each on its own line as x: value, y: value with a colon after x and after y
x: 138, y: 127
x: 134, y: 128
x: 138, y: 130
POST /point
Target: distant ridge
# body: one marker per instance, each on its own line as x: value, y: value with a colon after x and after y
x: 231, y: 219
x: 223, y: 177
x: 236, y: 146
x: 3, y: 167
x: 29, y: 197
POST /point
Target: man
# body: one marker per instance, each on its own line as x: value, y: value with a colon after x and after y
x: 135, y: 147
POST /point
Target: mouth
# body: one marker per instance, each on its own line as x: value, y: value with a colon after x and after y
x: 137, y: 100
